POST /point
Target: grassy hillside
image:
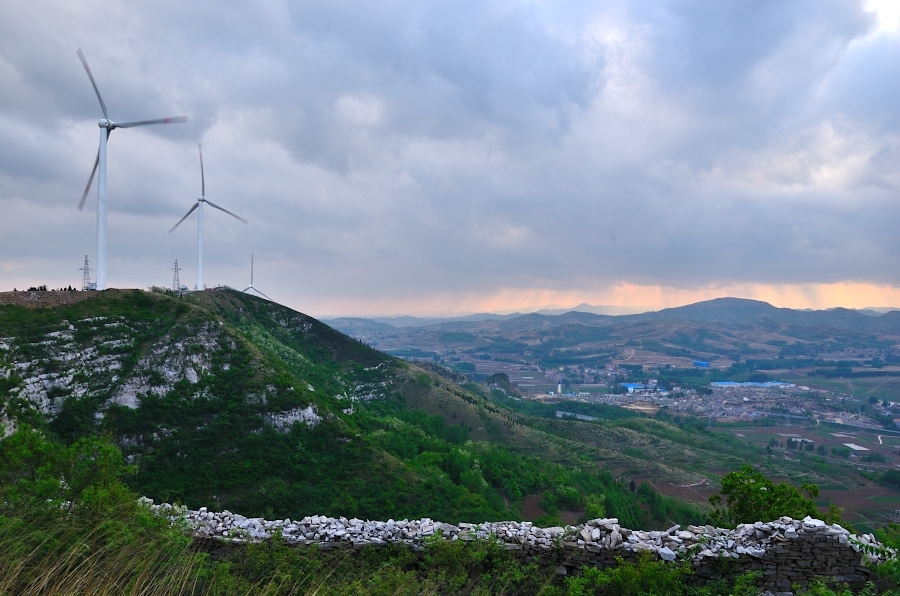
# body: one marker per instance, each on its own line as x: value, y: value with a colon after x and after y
x: 69, y: 526
x: 230, y: 401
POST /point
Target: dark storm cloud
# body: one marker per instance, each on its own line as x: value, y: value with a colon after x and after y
x: 415, y: 148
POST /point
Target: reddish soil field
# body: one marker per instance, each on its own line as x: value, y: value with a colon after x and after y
x: 874, y: 502
x: 531, y: 509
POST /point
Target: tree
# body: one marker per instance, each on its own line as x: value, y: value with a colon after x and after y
x: 752, y: 497
x: 593, y: 506
x: 36, y: 472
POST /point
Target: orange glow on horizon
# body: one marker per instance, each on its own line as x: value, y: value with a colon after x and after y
x: 636, y: 298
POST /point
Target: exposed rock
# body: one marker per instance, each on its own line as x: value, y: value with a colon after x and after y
x: 284, y: 420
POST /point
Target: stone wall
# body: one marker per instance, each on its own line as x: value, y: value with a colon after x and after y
x: 786, y: 551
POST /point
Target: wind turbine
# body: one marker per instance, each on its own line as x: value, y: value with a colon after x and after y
x: 106, y: 127
x: 250, y: 287
x: 199, y: 207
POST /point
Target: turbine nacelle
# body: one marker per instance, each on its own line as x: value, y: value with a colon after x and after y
x: 104, y: 123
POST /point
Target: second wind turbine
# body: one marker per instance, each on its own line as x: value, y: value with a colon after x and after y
x: 198, y: 206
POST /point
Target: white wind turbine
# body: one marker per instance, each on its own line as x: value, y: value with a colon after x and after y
x: 106, y: 127
x: 250, y: 287
x: 199, y: 207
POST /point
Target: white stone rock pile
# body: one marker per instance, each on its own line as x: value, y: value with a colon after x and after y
x: 595, y: 536
x: 785, y: 552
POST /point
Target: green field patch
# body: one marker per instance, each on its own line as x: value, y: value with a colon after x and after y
x: 880, y: 387
x: 635, y: 452
x: 893, y: 500
x: 862, y: 528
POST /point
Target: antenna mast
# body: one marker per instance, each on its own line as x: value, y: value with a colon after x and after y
x: 86, y: 283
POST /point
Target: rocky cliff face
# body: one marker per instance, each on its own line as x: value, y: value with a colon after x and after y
x: 180, y: 382
x: 90, y: 358
x: 54, y: 359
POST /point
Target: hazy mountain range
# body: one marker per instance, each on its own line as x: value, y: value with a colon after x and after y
x: 716, y: 310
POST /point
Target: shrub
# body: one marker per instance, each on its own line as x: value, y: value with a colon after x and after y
x: 752, y: 497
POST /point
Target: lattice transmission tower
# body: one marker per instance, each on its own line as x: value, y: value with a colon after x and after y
x: 176, y: 281
x: 86, y: 283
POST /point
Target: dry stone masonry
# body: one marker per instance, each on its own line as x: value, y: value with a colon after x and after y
x: 785, y: 551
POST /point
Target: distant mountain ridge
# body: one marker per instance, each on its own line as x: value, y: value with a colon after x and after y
x: 398, y: 321
x: 407, y: 321
x: 738, y: 310
x: 717, y: 310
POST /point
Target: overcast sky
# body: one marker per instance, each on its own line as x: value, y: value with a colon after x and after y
x: 437, y: 157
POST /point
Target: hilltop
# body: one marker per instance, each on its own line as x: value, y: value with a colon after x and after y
x: 220, y: 398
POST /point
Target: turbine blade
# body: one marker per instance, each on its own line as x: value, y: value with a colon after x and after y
x: 202, y: 177
x: 258, y: 292
x: 91, y: 77
x: 173, y: 120
x: 90, y: 181
x: 211, y: 204
x: 191, y: 210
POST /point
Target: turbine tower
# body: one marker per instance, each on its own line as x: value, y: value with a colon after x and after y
x: 106, y: 127
x: 250, y: 287
x: 199, y: 207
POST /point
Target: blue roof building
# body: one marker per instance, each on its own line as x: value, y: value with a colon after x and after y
x: 632, y: 386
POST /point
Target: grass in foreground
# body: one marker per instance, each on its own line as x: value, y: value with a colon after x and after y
x: 69, y: 526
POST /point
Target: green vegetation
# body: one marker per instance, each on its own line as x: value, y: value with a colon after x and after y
x: 890, y: 478
x: 544, y: 410
x: 456, y: 336
x: 752, y: 497
x: 381, y: 446
x: 649, y: 576
x: 389, y: 440
x: 68, y: 525
x: 817, y: 587
x: 661, y: 508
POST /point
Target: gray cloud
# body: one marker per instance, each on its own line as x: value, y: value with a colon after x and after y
x: 406, y: 149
